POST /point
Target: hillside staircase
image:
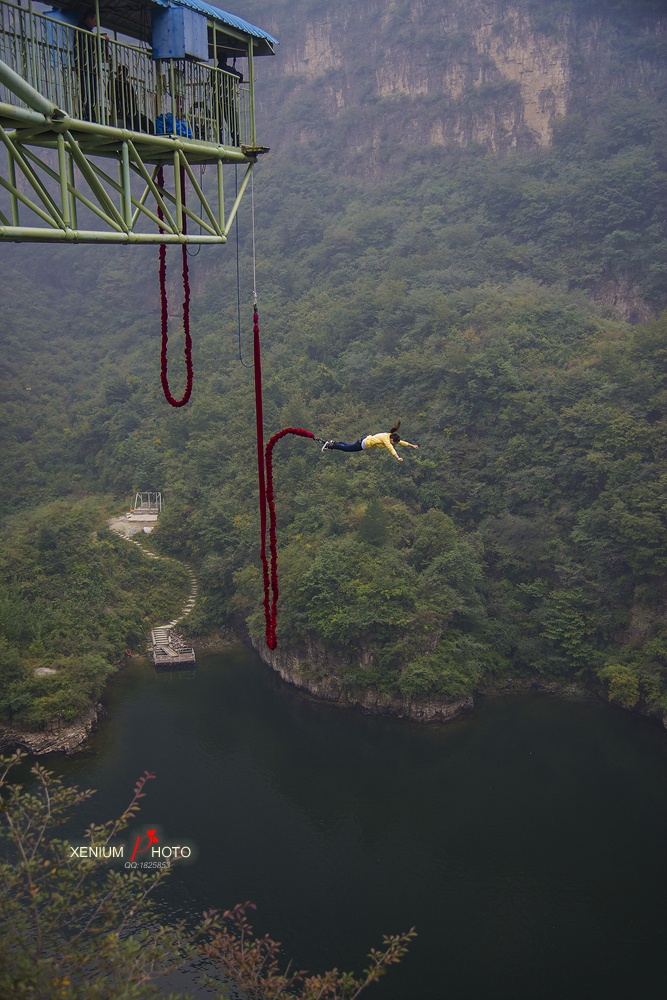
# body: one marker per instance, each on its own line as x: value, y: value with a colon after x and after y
x: 167, y: 646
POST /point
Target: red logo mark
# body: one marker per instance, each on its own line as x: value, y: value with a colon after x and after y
x: 150, y: 838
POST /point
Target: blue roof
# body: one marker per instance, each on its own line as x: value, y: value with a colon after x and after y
x: 221, y: 15
x: 132, y: 17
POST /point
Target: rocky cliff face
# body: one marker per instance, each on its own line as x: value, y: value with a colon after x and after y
x: 67, y: 739
x: 431, y: 72
x: 315, y: 670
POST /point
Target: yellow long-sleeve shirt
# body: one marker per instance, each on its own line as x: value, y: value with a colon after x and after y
x: 382, y: 441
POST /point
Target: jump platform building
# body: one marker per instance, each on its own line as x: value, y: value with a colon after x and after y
x: 111, y: 110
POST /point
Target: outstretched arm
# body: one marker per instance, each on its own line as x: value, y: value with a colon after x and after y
x: 387, y: 443
x: 408, y: 445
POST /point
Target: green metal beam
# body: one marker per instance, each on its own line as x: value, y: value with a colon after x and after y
x: 64, y: 191
x: 26, y: 234
x: 32, y: 178
x: 53, y: 166
x: 126, y: 180
x: 60, y: 162
x: 12, y: 187
x: 202, y: 199
x: 158, y: 147
x: 20, y: 196
x: 151, y: 184
x: 26, y: 93
x: 64, y: 180
x: 235, y: 207
x: 87, y: 172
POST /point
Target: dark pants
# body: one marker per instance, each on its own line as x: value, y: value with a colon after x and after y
x: 344, y: 446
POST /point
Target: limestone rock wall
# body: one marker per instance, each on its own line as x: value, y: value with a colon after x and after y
x: 490, y: 72
x: 314, y: 670
x: 68, y: 739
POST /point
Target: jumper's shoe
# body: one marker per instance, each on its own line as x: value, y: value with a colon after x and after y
x: 328, y: 445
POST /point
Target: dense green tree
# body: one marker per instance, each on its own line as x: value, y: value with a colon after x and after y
x: 456, y: 289
x: 73, y: 596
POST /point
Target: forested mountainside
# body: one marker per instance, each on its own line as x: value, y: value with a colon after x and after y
x: 374, y: 84
x: 505, y: 299
x: 385, y: 92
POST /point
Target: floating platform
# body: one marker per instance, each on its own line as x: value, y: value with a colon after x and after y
x: 169, y: 653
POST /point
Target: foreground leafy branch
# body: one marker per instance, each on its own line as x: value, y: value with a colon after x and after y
x: 252, y: 963
x: 69, y: 929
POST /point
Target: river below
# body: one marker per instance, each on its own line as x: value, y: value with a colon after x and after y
x: 526, y: 842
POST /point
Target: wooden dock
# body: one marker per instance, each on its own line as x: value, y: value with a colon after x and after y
x: 168, y: 650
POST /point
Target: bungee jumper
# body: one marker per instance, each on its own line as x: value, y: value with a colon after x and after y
x: 267, y: 501
x: 266, y: 492
x: 384, y: 440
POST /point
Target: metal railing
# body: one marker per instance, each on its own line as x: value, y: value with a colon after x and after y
x: 95, y: 78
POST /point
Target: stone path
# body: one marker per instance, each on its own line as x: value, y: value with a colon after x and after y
x: 122, y: 527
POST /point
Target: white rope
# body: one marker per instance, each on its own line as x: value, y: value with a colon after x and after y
x: 254, y: 256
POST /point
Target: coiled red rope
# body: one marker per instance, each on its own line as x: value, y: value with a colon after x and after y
x: 261, y: 476
x: 271, y: 607
x: 164, y: 379
x: 264, y: 459
x: 266, y: 494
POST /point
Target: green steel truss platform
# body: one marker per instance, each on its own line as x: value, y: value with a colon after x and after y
x: 56, y: 165
x: 79, y: 113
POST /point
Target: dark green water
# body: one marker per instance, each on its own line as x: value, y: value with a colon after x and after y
x: 527, y: 842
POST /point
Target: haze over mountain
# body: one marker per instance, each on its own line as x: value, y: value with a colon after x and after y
x: 461, y: 222
x: 383, y: 92
x: 366, y: 77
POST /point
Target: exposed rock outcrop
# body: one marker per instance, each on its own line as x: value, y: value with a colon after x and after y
x: 68, y: 739
x: 490, y: 72
x: 314, y: 670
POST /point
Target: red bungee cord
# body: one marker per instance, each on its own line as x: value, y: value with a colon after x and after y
x: 261, y: 476
x: 266, y: 494
x: 165, y: 310
x: 271, y: 613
